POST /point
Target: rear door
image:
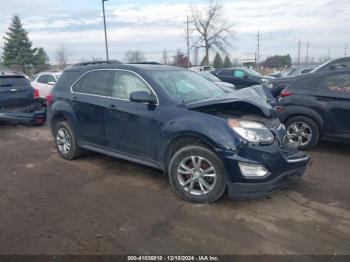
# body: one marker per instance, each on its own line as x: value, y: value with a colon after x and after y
x: 333, y: 99
x: 15, y: 92
x: 90, y: 99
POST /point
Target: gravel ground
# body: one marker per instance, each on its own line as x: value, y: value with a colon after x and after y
x: 101, y: 205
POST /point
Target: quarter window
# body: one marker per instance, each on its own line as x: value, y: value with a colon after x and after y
x: 339, y: 83
x: 125, y: 83
x: 94, y: 83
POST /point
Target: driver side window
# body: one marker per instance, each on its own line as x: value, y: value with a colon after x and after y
x: 125, y: 83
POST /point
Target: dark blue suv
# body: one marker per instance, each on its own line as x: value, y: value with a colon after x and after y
x: 173, y: 119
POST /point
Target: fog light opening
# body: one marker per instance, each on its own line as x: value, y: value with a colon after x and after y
x: 250, y: 170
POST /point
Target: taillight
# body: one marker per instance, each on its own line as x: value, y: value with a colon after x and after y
x: 36, y: 93
x: 285, y: 93
x: 49, y: 99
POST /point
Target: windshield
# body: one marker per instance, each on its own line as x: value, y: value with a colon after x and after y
x: 210, y: 77
x: 185, y: 86
x: 253, y: 73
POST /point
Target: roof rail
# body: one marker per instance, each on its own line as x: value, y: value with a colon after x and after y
x: 146, y: 63
x: 102, y: 62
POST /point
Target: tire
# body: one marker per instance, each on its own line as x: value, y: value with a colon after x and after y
x: 74, y: 150
x: 211, y: 189
x: 309, y: 139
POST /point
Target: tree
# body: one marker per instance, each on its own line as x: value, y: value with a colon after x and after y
x: 277, y: 61
x: 205, y: 61
x: 227, y: 62
x: 218, y: 63
x: 41, y: 60
x: 180, y: 59
x: 62, y: 55
x: 17, y: 51
x: 213, y: 30
x: 134, y: 56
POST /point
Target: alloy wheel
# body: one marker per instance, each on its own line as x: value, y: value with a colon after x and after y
x: 197, y: 175
x: 299, y: 133
x: 63, y: 141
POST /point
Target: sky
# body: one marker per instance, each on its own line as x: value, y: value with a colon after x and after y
x: 152, y: 26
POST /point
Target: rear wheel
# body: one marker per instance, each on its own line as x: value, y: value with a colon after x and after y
x: 65, y: 141
x: 302, y: 132
x: 197, y: 174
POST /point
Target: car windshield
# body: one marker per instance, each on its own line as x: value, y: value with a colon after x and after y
x: 185, y: 86
x: 210, y: 77
x: 253, y: 73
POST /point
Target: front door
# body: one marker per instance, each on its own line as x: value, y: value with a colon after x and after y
x: 131, y: 127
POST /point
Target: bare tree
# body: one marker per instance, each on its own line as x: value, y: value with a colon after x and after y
x: 134, y: 56
x: 213, y: 31
x: 62, y: 55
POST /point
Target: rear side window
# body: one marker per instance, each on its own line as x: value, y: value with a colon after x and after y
x: 50, y: 78
x: 9, y: 81
x: 94, y: 83
x: 43, y: 79
x: 339, y: 83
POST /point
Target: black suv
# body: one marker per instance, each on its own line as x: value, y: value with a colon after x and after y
x: 241, y: 77
x: 19, y: 101
x: 317, y: 106
x: 206, y: 139
x: 278, y: 84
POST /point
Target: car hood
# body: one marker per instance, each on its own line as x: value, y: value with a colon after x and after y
x: 255, y: 95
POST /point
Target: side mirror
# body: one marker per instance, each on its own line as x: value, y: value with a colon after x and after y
x: 142, y: 97
x: 51, y: 83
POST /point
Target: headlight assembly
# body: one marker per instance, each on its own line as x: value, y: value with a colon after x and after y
x: 251, y: 131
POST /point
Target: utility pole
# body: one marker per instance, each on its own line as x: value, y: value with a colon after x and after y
x: 258, y: 51
x: 346, y: 50
x: 329, y: 54
x: 307, y: 53
x: 104, y: 23
x: 299, y: 46
x: 188, y: 43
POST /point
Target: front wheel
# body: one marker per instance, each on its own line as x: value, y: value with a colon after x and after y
x: 197, y: 174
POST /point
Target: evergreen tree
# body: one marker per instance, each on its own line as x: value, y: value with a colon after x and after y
x: 41, y: 60
x: 205, y: 61
x: 227, y: 62
x: 17, y: 51
x: 218, y: 63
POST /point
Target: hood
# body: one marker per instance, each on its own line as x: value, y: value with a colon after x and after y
x: 255, y: 95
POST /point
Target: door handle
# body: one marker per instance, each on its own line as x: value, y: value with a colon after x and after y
x: 113, y: 108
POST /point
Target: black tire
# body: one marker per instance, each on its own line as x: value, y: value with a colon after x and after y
x: 315, y: 134
x: 197, y: 150
x: 74, y: 151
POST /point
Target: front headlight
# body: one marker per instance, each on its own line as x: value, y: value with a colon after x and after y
x: 251, y: 131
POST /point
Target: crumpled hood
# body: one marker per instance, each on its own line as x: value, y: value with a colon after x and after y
x: 254, y: 95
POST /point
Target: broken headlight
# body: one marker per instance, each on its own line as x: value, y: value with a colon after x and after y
x: 251, y: 131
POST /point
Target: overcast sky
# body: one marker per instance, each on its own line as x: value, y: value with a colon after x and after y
x: 151, y: 26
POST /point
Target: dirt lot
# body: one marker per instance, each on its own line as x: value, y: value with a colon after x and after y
x: 102, y: 205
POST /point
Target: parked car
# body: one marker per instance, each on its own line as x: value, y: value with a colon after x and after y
x: 294, y: 71
x: 241, y: 77
x: 277, y: 85
x: 224, y: 85
x: 202, y: 69
x: 44, y: 82
x: 316, y: 107
x: 172, y: 119
x: 19, y: 101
